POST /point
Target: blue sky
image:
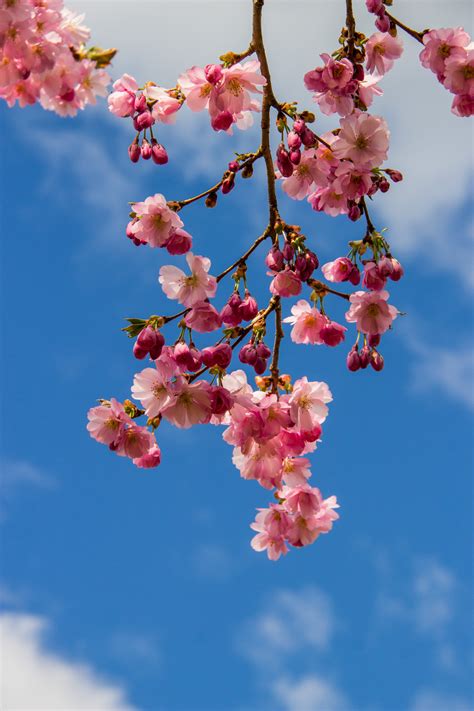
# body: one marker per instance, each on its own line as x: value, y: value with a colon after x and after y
x: 148, y: 592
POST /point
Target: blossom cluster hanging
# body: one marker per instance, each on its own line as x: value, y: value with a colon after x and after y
x: 275, y: 424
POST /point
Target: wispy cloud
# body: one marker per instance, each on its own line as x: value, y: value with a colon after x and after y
x: 309, y: 693
x: 35, y: 677
x: 289, y: 622
x: 448, y: 370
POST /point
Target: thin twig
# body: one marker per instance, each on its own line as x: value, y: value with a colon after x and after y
x: 274, y: 369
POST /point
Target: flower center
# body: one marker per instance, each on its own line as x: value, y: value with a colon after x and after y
x: 380, y: 49
x: 302, y: 170
x: 373, y: 310
x: 112, y: 424
x: 234, y: 86
x: 205, y: 90
x: 361, y: 142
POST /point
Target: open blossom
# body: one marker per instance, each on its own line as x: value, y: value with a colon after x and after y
x: 203, y: 318
x: 333, y: 85
x: 307, y: 323
x: 370, y: 312
x: 306, y: 174
x: 459, y: 74
x: 190, y: 404
x: 152, y: 388
x: 189, y: 290
x: 368, y: 88
x: 364, y: 139
x: 239, y: 81
x: 352, y: 182
x: 166, y: 106
x: 156, y: 221
x: 199, y: 92
x: 381, y: 50
x: 122, y: 99
x: 106, y: 422
x: 286, y: 283
x: 330, y: 200
x: 341, y: 269
x: 308, y: 403
x: 442, y: 44
x: 271, y: 525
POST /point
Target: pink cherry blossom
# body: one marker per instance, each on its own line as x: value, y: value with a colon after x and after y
x: 441, y: 45
x: 295, y: 471
x: 106, y: 422
x: 238, y: 82
x: 370, y: 312
x: 330, y: 200
x: 190, y: 405
x: 272, y: 525
x: 308, y: 403
x: 151, y: 387
x: 197, y: 89
x: 155, y: 221
x: 307, y: 323
x: 189, y: 290
x: 165, y: 106
x: 339, y: 270
x: 368, y: 89
x: 286, y: 283
x: 352, y: 182
x: 203, y: 318
x: 151, y: 459
x: 381, y: 50
x: 134, y: 442
x: 459, y: 74
x: 308, y: 172
x: 363, y: 139
x: 122, y: 100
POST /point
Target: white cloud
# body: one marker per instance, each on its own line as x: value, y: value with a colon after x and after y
x: 447, y: 369
x: 429, y: 144
x: 309, y: 693
x: 434, y: 587
x: 429, y: 700
x: 288, y: 623
x: 34, y: 678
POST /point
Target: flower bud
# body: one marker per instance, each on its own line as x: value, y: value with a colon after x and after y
x: 294, y: 141
x: 231, y: 313
x: 285, y: 166
x: 394, y: 175
x: 158, y: 153
x: 354, y: 275
x: 274, y: 259
x: 376, y: 360
x: 179, y: 242
x: 220, y: 355
x: 211, y: 200
x: 146, y: 150
x: 221, y: 400
x: 354, y: 213
x: 248, y: 307
x: 222, y: 121
x: 213, y: 73
x: 140, y: 103
x: 143, y: 120
x: 364, y: 356
x: 373, y: 340
x: 234, y: 166
x: 247, y: 171
x: 263, y: 351
x: 134, y: 152
x: 248, y: 354
x: 397, y: 270
x: 295, y: 156
x: 288, y: 252
x: 260, y: 366
x: 359, y: 73
x: 385, y: 267
x: 187, y: 358
x: 384, y: 185
x: 382, y: 22
x: 228, y: 184
x: 332, y: 333
x: 353, y: 359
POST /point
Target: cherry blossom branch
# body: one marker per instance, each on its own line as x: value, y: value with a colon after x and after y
x: 279, y: 335
x: 246, y: 255
x: 413, y: 33
x: 351, y: 28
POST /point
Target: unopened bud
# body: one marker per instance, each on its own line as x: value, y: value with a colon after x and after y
x: 211, y: 200
x: 134, y: 152
x: 158, y: 153
x: 376, y: 361
x: 146, y: 151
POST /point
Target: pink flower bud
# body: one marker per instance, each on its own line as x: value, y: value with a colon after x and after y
x: 149, y: 460
x: 332, y: 333
x: 234, y: 166
x: 353, y: 359
x: 260, y: 366
x: 294, y: 141
x: 382, y: 22
x: 373, y: 340
x: 179, y: 242
x: 187, y: 358
x: 394, y: 175
x: 288, y: 252
x: 139, y: 352
x: 146, y: 150
x: 397, y: 270
x: 374, y: 6
x: 354, y: 275
x: 274, y: 259
x: 231, y: 313
x: 364, y: 357
x: 143, y: 120
x: 222, y: 121
x: 295, y: 156
x: 158, y: 153
x: 248, y: 307
x: 263, y: 351
x: 228, y: 184
x: 134, y: 152
x: 385, y: 267
x: 221, y: 400
x: 285, y: 166
x: 354, y: 213
x: 248, y: 354
x: 213, y: 73
x: 384, y: 185
x: 372, y: 277
x: 149, y: 340
x: 376, y: 361
x: 220, y: 355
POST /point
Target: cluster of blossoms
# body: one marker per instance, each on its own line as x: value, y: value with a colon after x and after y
x: 273, y: 428
x: 225, y: 91
x: 43, y: 59
x: 448, y: 53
